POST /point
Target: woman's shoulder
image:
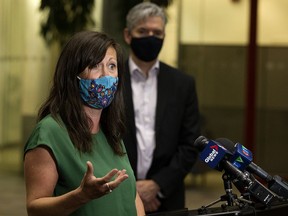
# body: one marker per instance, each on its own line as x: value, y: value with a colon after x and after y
x: 46, y: 132
x: 49, y: 128
x: 50, y: 123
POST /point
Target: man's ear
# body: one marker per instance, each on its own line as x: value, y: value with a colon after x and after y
x: 127, y: 36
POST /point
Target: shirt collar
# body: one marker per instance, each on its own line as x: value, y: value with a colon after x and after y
x: 134, y: 68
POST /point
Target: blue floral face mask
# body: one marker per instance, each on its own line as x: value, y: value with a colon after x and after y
x: 98, y: 93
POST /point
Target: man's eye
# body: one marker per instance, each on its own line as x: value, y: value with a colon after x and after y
x: 158, y: 33
x: 142, y: 31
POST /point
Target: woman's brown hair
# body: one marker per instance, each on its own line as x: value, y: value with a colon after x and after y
x: 85, y: 49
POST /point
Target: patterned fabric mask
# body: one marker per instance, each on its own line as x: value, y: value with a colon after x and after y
x: 98, y: 93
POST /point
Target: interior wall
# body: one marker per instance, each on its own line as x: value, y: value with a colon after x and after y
x: 214, y: 22
x: 169, y: 51
x: 11, y: 66
x: 272, y: 22
x: 226, y: 22
x: 25, y: 70
x: 213, y: 48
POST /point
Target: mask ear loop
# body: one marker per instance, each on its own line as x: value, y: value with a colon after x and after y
x: 78, y: 78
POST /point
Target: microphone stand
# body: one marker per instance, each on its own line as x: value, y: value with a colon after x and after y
x: 229, y: 197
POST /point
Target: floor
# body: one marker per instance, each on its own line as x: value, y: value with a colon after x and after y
x: 12, y: 189
x: 200, y: 189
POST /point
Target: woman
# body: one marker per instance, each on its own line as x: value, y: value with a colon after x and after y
x: 75, y: 161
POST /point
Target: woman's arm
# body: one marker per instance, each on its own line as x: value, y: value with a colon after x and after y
x: 41, y: 177
x: 139, y: 206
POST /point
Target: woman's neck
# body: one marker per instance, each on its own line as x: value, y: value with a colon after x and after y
x: 94, y: 115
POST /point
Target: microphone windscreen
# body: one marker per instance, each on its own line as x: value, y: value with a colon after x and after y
x: 200, y: 143
x: 226, y: 143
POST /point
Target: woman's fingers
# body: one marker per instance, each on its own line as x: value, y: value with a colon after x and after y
x: 90, y: 169
x: 100, y: 186
x: 121, y: 176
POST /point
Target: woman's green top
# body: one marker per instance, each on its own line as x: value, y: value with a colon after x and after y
x: 71, y: 166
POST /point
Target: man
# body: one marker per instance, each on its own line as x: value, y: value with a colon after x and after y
x: 162, y: 113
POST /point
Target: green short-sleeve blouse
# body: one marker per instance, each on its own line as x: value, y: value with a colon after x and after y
x: 71, y: 165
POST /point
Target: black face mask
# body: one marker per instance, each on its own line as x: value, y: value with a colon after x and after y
x: 146, y: 48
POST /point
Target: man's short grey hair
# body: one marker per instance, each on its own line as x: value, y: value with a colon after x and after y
x: 142, y: 11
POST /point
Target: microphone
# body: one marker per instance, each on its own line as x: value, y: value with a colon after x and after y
x: 217, y: 155
x: 242, y: 159
x: 212, y: 153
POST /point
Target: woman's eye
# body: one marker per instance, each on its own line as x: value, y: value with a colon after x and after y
x: 112, y: 66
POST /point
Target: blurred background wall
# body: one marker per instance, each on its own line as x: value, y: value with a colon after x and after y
x: 206, y: 38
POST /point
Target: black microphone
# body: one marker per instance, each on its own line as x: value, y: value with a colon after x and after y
x: 218, y: 156
x: 275, y: 183
x: 245, y: 163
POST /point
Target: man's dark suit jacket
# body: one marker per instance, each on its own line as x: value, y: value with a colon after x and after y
x: 177, y: 126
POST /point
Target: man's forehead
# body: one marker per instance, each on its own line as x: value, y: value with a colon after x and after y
x: 153, y: 22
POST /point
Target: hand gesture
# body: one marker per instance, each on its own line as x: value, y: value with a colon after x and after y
x: 93, y: 187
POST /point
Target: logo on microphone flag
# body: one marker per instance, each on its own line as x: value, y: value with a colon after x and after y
x: 242, y: 157
x: 213, y: 154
